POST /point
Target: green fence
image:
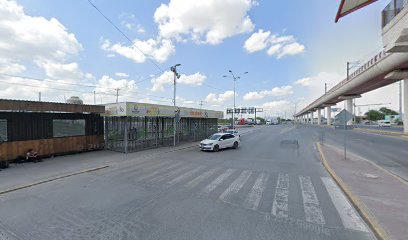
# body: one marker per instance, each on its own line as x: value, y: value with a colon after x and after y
x: 130, y: 134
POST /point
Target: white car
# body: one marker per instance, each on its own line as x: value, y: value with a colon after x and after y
x: 219, y: 141
x: 384, y: 124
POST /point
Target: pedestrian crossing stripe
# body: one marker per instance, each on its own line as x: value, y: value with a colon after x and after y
x: 173, y: 173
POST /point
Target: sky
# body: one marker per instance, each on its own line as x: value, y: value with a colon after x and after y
x: 290, y: 49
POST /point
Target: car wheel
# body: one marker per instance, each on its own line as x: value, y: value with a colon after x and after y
x: 235, y: 146
x: 216, y: 148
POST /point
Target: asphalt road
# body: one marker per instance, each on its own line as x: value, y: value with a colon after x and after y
x: 269, y: 188
x: 389, y: 152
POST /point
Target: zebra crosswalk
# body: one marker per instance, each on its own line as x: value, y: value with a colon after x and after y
x: 248, y: 188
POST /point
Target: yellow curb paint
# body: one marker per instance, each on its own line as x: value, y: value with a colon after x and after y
x: 358, y: 204
x: 52, y: 179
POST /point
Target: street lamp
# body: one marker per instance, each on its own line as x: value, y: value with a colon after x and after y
x: 176, y: 75
x: 234, y: 77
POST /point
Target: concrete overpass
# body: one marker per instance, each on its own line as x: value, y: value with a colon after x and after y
x: 388, y: 66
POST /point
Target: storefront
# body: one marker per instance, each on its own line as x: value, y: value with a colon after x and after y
x: 132, y: 127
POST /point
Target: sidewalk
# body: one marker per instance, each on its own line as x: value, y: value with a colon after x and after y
x: 380, y: 196
x: 28, y: 174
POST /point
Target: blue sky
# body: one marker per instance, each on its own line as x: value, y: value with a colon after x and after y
x: 70, y: 42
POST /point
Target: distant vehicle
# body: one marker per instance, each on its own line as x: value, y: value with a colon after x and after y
x: 384, y: 124
x: 219, y: 141
x: 234, y: 132
x: 272, y: 121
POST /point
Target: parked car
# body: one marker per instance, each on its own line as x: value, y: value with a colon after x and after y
x: 219, y: 141
x: 384, y: 124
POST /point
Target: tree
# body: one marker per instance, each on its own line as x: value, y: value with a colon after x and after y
x: 387, y: 111
x: 261, y: 120
x: 374, y: 115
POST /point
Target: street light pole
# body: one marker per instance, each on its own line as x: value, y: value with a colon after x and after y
x: 234, y: 78
x: 176, y: 75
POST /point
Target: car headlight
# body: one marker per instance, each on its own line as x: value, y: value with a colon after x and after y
x: 210, y: 144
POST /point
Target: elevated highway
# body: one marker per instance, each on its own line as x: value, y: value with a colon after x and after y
x: 388, y: 66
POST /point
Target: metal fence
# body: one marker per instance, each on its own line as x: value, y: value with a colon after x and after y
x: 392, y: 10
x: 130, y: 134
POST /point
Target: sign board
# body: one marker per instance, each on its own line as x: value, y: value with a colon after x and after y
x: 154, y: 110
x: 343, y: 117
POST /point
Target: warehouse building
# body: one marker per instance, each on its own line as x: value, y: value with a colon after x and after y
x: 48, y: 128
x: 131, y: 126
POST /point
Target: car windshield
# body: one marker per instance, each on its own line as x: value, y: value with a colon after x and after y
x: 215, y: 137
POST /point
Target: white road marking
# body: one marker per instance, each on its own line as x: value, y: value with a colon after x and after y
x: 280, y: 201
x: 210, y: 187
x: 170, y: 174
x: 201, y: 178
x: 348, y: 215
x: 313, y: 212
x: 161, y: 170
x: 254, y: 198
x: 147, y: 168
x: 185, y: 175
x: 236, y: 185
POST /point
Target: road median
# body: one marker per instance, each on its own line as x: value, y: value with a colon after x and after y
x: 378, y: 195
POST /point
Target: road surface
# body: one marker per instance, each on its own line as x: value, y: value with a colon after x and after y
x: 272, y: 187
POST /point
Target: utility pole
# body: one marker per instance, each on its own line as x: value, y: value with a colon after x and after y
x: 176, y: 75
x: 39, y: 96
x: 234, y: 78
x: 325, y: 88
x: 117, y: 94
x: 201, y: 105
x: 94, y: 98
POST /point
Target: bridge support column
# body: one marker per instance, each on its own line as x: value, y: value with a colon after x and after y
x: 328, y: 115
x: 349, y: 107
x: 311, y: 117
x: 405, y: 119
x: 349, y: 104
x: 319, y: 116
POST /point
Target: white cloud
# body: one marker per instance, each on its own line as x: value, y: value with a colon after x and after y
x: 276, y: 91
x: 41, y: 43
x: 64, y: 71
x: 220, y: 98
x: 167, y: 78
x: 204, y: 21
x: 278, y: 45
x: 120, y: 74
x: 157, y: 49
x: 304, y: 82
x: 257, y: 41
x: 105, y: 91
x: 291, y: 49
x: 26, y: 38
x: 11, y: 68
x: 281, y: 105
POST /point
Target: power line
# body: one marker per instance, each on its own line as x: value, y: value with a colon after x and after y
x: 124, y: 35
x: 60, y: 89
x: 74, y: 84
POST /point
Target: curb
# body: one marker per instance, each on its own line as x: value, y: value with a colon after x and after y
x: 52, y: 179
x: 358, y: 204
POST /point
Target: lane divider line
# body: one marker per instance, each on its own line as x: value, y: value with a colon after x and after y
x: 378, y: 230
x: 52, y: 179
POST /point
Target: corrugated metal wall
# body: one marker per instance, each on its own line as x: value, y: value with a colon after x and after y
x: 31, y: 125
